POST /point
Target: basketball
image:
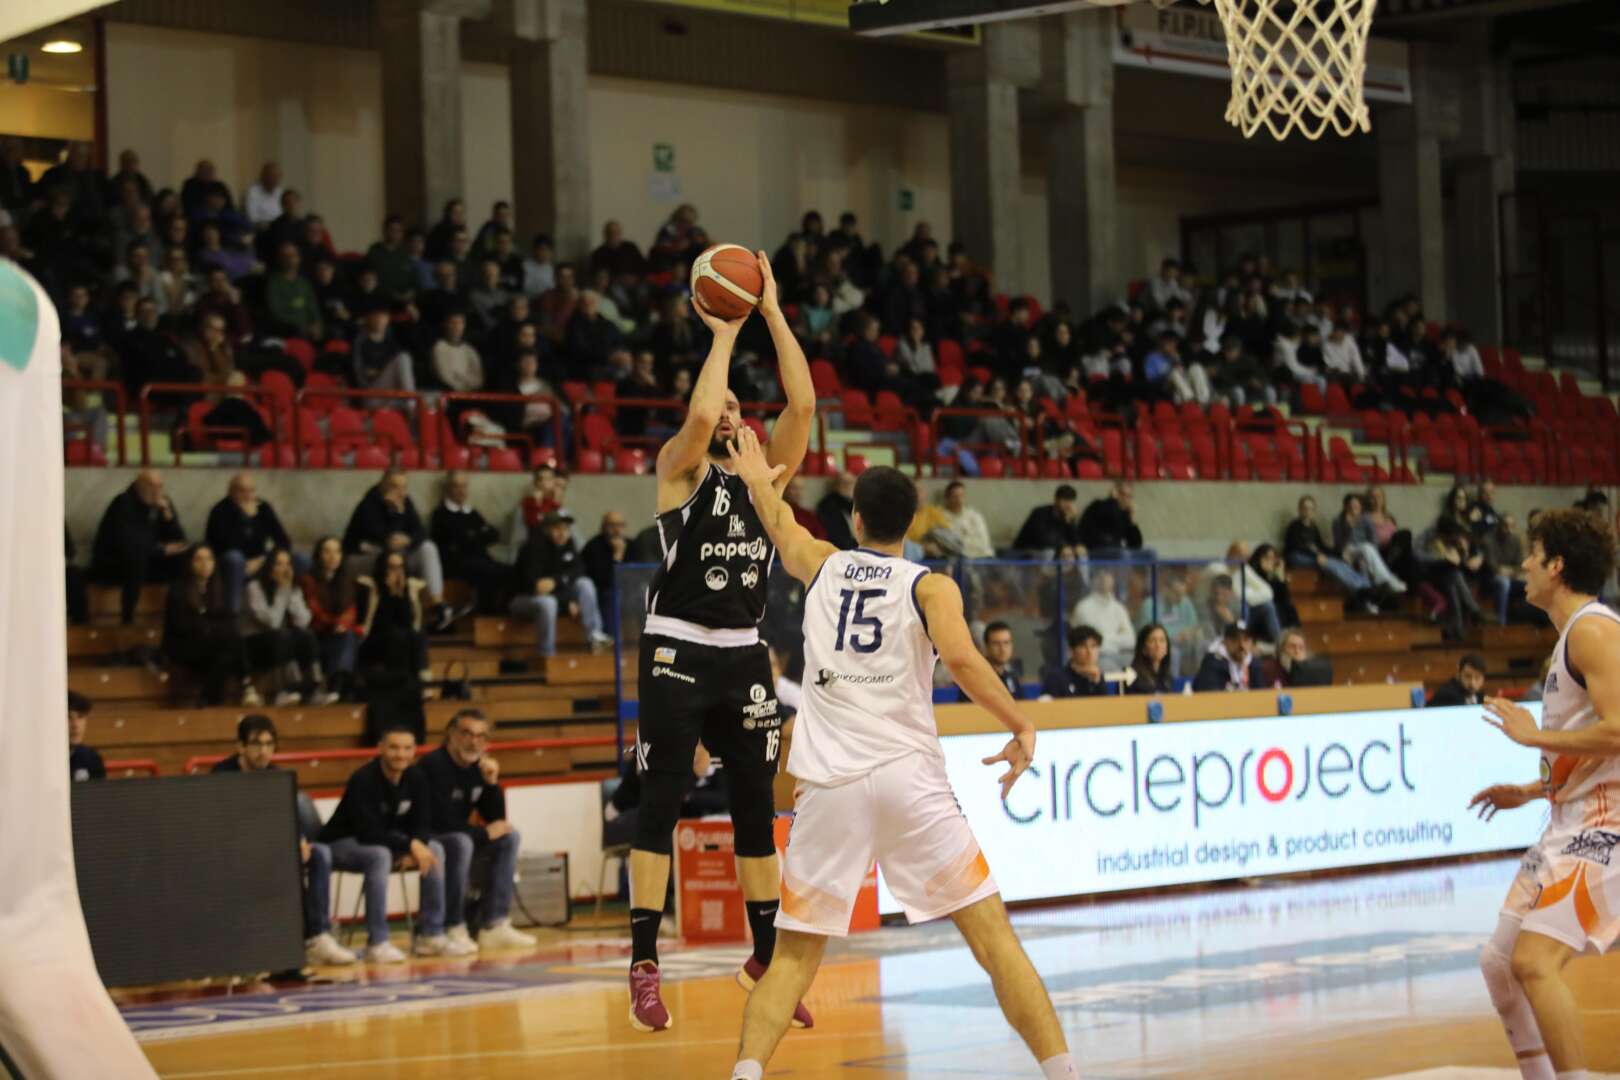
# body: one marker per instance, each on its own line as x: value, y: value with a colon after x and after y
x: 727, y: 280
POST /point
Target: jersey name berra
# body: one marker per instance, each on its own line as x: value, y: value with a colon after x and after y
x: 717, y: 557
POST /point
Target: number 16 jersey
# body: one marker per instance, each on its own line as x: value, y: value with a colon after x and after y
x: 868, y: 670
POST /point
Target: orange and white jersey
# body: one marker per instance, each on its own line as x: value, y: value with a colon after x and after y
x: 1584, y: 790
x: 868, y: 670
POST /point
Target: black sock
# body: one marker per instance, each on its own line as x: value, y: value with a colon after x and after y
x: 762, y: 921
x: 644, y: 934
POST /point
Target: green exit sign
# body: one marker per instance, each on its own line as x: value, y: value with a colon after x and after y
x: 663, y: 157
x: 908, y: 200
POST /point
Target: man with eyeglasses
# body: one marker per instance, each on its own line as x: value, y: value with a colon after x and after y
x: 255, y: 751
x: 467, y: 817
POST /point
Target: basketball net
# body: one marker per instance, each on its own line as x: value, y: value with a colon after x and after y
x: 1297, y: 65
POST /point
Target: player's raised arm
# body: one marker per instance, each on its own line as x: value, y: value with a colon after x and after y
x: 791, y: 435
x: 802, y: 554
x: 941, y: 603
x: 685, y: 450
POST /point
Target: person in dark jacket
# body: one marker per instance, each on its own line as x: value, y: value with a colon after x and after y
x: 392, y: 641
x: 1230, y: 663
x: 139, y: 542
x: 84, y: 763
x: 603, y: 552
x: 1467, y: 687
x: 1304, y: 548
x: 549, y: 568
x: 1151, y: 663
x: 463, y: 538
x: 1082, y: 676
x: 255, y: 749
x: 78, y: 590
x: 200, y: 632
x: 836, y: 509
x: 1048, y: 528
x: 383, y: 822
x: 463, y: 781
x: 1108, y: 527
x: 243, y: 530
x: 386, y: 520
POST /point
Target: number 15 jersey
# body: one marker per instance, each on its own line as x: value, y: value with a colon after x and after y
x: 868, y: 670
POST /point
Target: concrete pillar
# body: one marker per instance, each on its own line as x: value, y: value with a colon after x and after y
x: 421, y: 74
x: 1409, y: 182
x: 985, y: 154
x: 551, y: 159
x: 1483, y: 171
x: 1082, y: 196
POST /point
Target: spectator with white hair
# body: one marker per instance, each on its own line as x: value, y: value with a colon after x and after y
x: 1102, y: 610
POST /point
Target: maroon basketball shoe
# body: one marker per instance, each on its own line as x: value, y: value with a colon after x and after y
x: 647, y: 1012
x: 750, y: 973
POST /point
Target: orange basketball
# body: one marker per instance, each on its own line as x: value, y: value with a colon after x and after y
x: 727, y: 281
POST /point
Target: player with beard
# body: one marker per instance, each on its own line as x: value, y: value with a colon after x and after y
x: 704, y: 672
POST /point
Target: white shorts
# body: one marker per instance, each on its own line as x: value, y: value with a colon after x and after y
x: 904, y: 815
x: 1568, y: 886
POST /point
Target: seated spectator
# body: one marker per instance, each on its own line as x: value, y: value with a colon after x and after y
x: 680, y: 239
x: 836, y: 509
x: 383, y: 822
x: 539, y: 273
x: 1082, y: 675
x: 149, y: 355
x: 1504, y: 556
x: 1102, y: 610
x: 602, y: 554
x: 290, y: 298
x: 1341, y: 357
x: 456, y: 364
x: 137, y: 270
x: 139, y: 542
x: 618, y: 256
x: 1230, y: 663
x: 1457, y: 352
x: 277, y: 634
x: 1290, y: 289
x: 244, y: 530
x: 915, y: 355
x: 84, y: 763
x: 547, y: 487
x: 1108, y: 526
x: 392, y: 640
x: 537, y: 418
x: 261, y: 202
x: 386, y: 520
x: 488, y: 296
x: 78, y: 588
x: 332, y: 596
x: 1285, y: 359
x: 1450, y: 563
x: 557, y: 305
x: 966, y: 523
x: 1151, y: 664
x: 214, y: 252
x: 380, y: 361
x: 1353, y: 536
x: 210, y: 353
x: 464, y: 538
x: 1467, y: 687
x: 286, y: 228
x: 200, y: 632
x: 1048, y: 528
x: 219, y: 297
x: 1167, y: 286
x: 1239, y: 378
x: 1394, y: 543
x: 255, y: 748
x: 549, y: 568
x: 793, y: 496
x: 467, y: 818
x: 176, y: 284
x: 998, y: 649
x: 1483, y: 515
x: 1177, y: 615
x: 1303, y: 547
x: 1267, y: 567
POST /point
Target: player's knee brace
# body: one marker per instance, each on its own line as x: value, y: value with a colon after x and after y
x: 753, y: 812
x: 661, y: 795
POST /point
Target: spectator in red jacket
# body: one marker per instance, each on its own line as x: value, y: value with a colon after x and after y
x: 332, y: 597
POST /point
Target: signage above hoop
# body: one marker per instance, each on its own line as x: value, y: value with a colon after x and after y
x: 830, y: 13
x: 1192, y: 42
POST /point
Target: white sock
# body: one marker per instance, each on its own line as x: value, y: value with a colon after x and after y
x: 1539, y: 1067
x: 747, y: 1070
x: 1059, y: 1067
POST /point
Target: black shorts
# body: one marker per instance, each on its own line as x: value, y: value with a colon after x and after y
x: 724, y: 696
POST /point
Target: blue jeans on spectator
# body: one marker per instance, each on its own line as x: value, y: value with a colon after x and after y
x: 1336, y: 568
x: 339, y: 651
x: 376, y: 862
x: 1264, y: 618
x: 493, y: 867
x: 1506, y: 588
x: 233, y: 570
x: 543, y: 610
x: 317, y: 891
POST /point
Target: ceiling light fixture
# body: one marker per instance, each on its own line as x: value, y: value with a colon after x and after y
x: 62, y: 45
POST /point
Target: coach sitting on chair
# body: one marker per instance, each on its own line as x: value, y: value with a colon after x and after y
x: 381, y: 824
x: 467, y: 816
x: 255, y: 746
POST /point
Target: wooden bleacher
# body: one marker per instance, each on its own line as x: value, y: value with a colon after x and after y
x: 139, y: 714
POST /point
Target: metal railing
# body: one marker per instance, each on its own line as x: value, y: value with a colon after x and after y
x: 183, y: 426
x: 314, y: 757
x: 130, y: 767
x: 118, y: 410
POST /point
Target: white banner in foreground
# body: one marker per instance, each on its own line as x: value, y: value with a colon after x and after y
x: 1106, y: 809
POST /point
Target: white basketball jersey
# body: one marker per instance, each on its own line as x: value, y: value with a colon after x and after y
x: 1566, y: 706
x: 868, y: 669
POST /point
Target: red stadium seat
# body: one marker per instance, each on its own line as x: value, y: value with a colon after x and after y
x: 825, y: 379
x: 370, y: 457
x: 887, y: 343
x: 854, y: 464
x: 757, y: 425
x: 981, y: 375
x: 322, y: 403
x: 503, y: 459
x: 857, y: 409
x: 992, y: 466
x: 588, y: 461
x: 888, y: 412
x: 597, y: 432
x: 632, y: 461
x: 281, y: 390
x: 1056, y: 469
x: 543, y: 455
x: 576, y: 392
x: 301, y: 351
x: 1311, y: 402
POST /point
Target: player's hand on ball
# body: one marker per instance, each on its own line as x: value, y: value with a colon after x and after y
x: 769, y: 304
x: 1018, y: 753
x: 717, y: 326
x: 1499, y: 797
x: 1511, y: 720
x: 748, y: 458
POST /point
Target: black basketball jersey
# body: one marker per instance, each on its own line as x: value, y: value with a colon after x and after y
x: 717, y: 557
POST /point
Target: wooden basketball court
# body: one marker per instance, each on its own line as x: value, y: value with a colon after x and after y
x: 1359, y: 977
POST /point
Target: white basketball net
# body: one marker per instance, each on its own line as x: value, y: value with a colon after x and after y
x: 1297, y: 64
